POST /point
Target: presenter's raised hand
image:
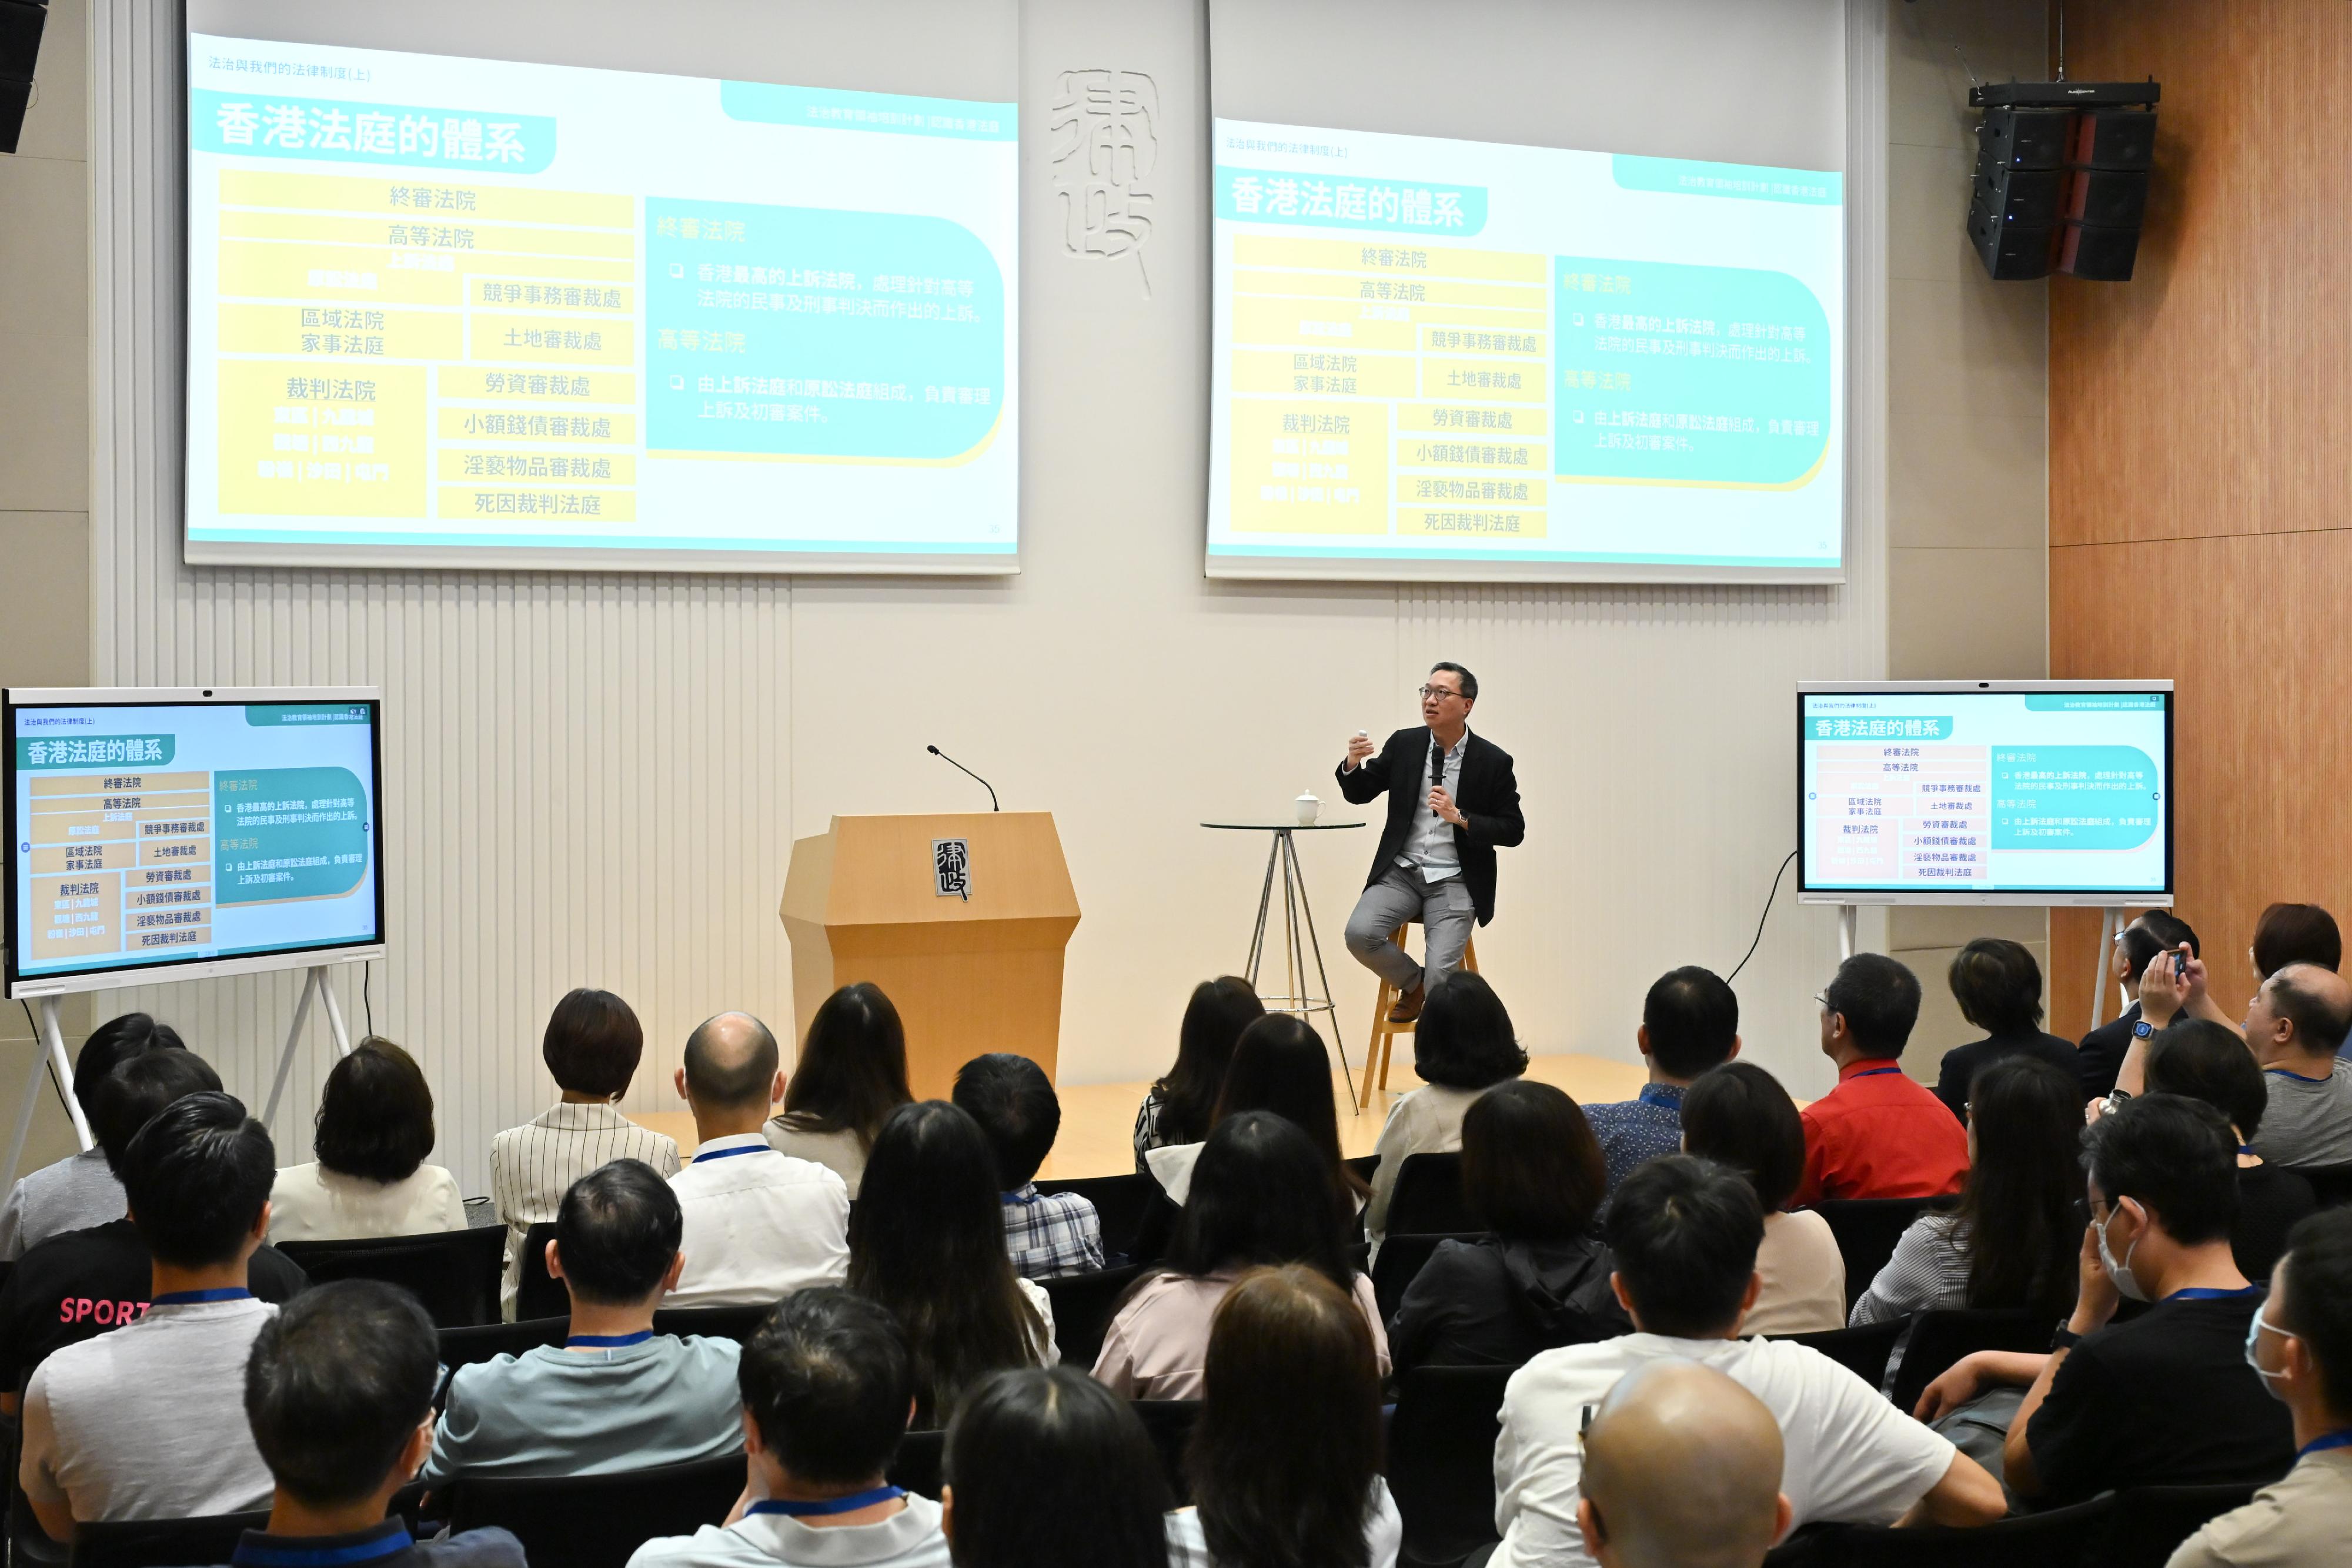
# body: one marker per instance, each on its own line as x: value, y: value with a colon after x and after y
x: 1443, y: 804
x: 1359, y: 746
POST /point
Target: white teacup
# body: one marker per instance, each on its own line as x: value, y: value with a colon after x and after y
x: 1309, y: 807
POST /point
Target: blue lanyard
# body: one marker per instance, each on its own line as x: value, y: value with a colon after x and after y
x: 607, y: 1340
x: 2299, y: 1078
x: 849, y: 1504
x: 1025, y: 1196
x: 723, y: 1154
x: 190, y: 1297
x: 2342, y: 1439
x: 1877, y: 1072
x: 2212, y: 1293
x: 1660, y: 1094
x: 251, y: 1553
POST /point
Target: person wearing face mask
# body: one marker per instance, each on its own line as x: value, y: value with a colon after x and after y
x: 2165, y: 1398
x: 2300, y: 1344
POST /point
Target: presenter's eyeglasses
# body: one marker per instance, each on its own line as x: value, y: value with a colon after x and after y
x: 1428, y: 692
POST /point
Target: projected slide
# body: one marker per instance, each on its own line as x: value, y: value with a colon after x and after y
x: 157, y: 835
x: 2051, y: 792
x: 1498, y: 360
x: 485, y: 313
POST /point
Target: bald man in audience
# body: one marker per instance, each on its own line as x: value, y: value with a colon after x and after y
x: 759, y: 1224
x: 1682, y: 1469
x: 2294, y: 1026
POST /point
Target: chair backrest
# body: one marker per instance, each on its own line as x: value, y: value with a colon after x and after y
x: 1363, y: 1165
x: 540, y: 1293
x: 921, y: 1459
x: 1862, y: 1351
x: 1083, y: 1304
x: 598, y: 1520
x: 453, y: 1273
x: 1170, y: 1424
x: 2060, y: 1537
x: 464, y: 1348
x: 1867, y: 1230
x: 2331, y: 1185
x: 162, y: 1543
x: 2150, y: 1522
x: 1441, y: 1457
x: 1401, y: 1260
x: 713, y: 1322
x: 1428, y: 1196
x: 1940, y: 1338
x: 1120, y: 1203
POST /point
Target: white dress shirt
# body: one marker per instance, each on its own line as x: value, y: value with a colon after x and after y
x: 533, y: 1165
x: 759, y: 1225
x: 1429, y: 844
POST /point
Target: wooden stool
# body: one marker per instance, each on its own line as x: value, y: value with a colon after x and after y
x: 1376, y: 1055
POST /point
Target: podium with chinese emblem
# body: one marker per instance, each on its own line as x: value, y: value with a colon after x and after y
x: 959, y: 917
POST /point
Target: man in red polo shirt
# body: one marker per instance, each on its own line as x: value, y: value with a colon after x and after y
x: 1876, y: 1133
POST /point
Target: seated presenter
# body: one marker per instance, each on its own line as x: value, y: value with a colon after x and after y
x: 1452, y: 802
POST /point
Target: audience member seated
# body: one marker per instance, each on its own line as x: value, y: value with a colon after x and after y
x: 2294, y: 1026
x: 826, y: 1385
x: 80, y: 1190
x: 2295, y: 934
x: 614, y: 1396
x: 2164, y: 1398
x: 77, y: 1286
x: 2174, y: 986
x: 1690, y: 1022
x: 2013, y: 1239
x: 338, y: 1393
x: 373, y: 1129
x: 1279, y: 1065
x: 1738, y: 1115
x: 1177, y: 1109
x: 1998, y: 987
x: 2099, y: 1056
x: 2207, y: 1060
x: 2301, y: 1347
x: 927, y: 1241
x: 1462, y: 1045
x: 850, y: 1075
x: 1877, y: 1133
x: 1047, y: 1469
x: 146, y: 1422
x: 1046, y: 1235
x: 592, y: 1047
x: 1286, y: 1462
x: 758, y: 1225
x: 1261, y: 1194
x: 1532, y: 1175
x: 1685, y: 1231
x: 1682, y: 1469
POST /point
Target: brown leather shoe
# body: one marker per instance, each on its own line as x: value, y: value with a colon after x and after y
x: 1408, y: 1007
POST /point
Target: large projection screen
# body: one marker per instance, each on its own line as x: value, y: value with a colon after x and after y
x: 1528, y: 290
x: 710, y: 285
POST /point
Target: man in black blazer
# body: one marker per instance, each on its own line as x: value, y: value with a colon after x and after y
x: 1452, y: 802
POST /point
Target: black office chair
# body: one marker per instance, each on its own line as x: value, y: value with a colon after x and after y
x: 737, y: 1323
x: 464, y: 1348
x: 1120, y: 1203
x: 917, y: 1464
x: 2150, y: 1522
x: 540, y: 1294
x: 1083, y: 1304
x: 1441, y: 1460
x: 1401, y: 1260
x: 596, y: 1522
x: 162, y: 1543
x: 1862, y: 1350
x: 1867, y: 1230
x: 1363, y: 1165
x: 1171, y: 1422
x: 453, y: 1273
x: 1940, y: 1338
x: 1428, y: 1198
x: 2331, y: 1185
x: 2057, y: 1539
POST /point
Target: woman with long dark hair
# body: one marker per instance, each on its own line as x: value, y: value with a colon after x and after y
x: 850, y: 1076
x: 2016, y: 1237
x: 1280, y: 1065
x: 927, y: 1240
x: 1047, y: 1469
x: 1285, y: 1461
x: 1262, y: 1193
x: 1179, y: 1107
x: 1738, y: 1115
x: 1462, y: 1045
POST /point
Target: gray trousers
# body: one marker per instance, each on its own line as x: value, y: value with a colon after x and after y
x: 1444, y: 911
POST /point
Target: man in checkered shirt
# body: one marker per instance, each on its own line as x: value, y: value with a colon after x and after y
x: 1047, y: 1234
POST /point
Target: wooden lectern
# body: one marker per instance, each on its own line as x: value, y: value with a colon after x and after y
x: 960, y: 918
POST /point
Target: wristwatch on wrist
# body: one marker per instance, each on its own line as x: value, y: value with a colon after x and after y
x: 2064, y: 1338
x: 2142, y: 1028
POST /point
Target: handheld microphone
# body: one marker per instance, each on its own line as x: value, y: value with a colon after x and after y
x: 959, y: 767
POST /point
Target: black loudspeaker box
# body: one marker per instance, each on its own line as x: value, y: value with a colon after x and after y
x: 2103, y: 254
x: 2022, y: 139
x: 2112, y: 138
x: 2008, y: 250
x: 2105, y: 198
x: 2026, y: 197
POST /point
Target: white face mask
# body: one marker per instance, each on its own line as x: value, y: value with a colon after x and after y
x: 2120, y: 1272
x: 2254, y: 1332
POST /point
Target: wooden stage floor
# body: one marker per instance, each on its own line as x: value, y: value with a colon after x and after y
x: 1099, y: 1119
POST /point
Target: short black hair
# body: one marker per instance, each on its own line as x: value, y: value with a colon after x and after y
x: 828, y: 1380
x: 2296, y: 933
x: 2209, y: 1062
x: 1531, y: 1168
x: 2318, y: 1308
x: 339, y: 1379
x: 1052, y: 1470
x: 1738, y: 1115
x: 2320, y: 1024
x: 1685, y: 1231
x: 1469, y: 681
x: 1692, y: 1018
x: 616, y: 1232
x: 1879, y: 1000
x: 1997, y: 985
x: 111, y: 1044
x: 127, y: 1099
x: 741, y: 1085
x: 197, y: 1176
x: 592, y: 1043
x: 2155, y: 931
x: 1015, y: 1103
x: 375, y: 1118
x: 2174, y: 1154
x: 1465, y: 1038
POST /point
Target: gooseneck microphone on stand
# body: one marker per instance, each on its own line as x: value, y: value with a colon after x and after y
x: 959, y: 767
